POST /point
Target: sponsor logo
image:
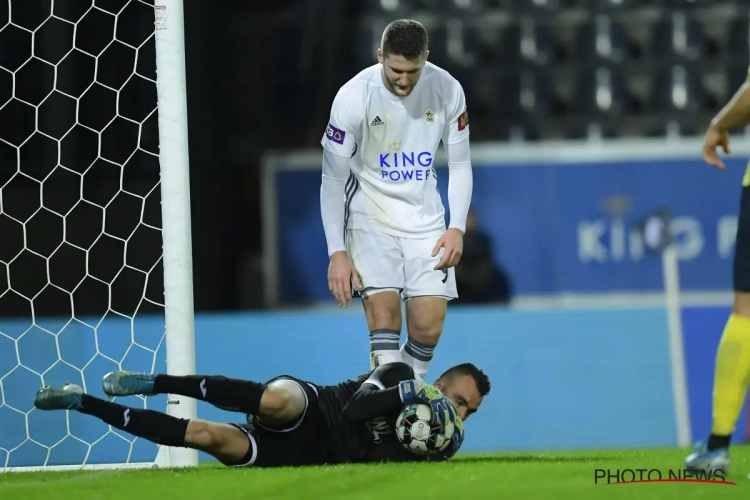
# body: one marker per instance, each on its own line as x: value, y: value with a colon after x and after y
x: 406, y: 166
x: 406, y: 159
x: 334, y: 134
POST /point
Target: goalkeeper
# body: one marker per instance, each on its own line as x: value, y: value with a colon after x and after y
x: 290, y: 422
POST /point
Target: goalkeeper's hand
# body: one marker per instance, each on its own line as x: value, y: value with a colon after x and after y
x: 457, y: 439
x: 451, y: 450
x: 417, y: 391
x: 410, y: 391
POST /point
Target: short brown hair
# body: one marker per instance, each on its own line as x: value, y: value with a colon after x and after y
x: 404, y: 37
x: 480, y: 378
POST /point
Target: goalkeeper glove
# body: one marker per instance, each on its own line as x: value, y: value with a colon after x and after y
x: 419, y: 392
x: 410, y: 391
x: 457, y: 439
x: 456, y: 442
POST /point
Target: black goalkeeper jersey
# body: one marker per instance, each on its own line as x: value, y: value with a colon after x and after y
x: 361, y: 414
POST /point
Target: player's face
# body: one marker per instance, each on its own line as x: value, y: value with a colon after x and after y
x: 400, y: 75
x: 462, y: 390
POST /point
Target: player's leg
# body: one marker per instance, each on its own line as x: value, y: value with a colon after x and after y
x: 284, y: 403
x: 383, y: 312
x: 277, y: 402
x: 424, y: 323
x: 732, y: 372
x: 225, y: 442
x: 379, y: 262
x: 293, y: 430
x: 427, y: 293
x: 288, y: 430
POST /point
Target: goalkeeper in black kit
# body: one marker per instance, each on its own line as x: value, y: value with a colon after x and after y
x: 290, y: 422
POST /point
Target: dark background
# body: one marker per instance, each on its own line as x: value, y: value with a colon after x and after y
x: 77, y: 157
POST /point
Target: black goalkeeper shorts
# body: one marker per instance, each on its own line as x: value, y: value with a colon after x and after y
x: 741, y: 267
x: 302, y: 442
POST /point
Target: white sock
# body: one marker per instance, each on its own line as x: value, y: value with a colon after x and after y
x: 384, y: 347
x: 418, y: 356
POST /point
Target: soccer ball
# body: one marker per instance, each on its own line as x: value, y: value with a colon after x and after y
x: 415, y: 433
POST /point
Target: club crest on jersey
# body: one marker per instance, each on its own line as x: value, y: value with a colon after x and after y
x: 334, y: 134
x: 429, y: 116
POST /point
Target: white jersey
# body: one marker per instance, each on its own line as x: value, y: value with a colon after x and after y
x: 392, y: 142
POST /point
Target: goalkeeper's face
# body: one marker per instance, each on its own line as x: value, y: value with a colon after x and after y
x: 400, y: 75
x: 463, y: 392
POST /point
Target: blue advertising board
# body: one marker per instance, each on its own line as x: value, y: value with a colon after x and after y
x: 558, y: 226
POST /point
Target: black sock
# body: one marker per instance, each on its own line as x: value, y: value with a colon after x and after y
x: 157, y: 427
x: 715, y: 442
x: 229, y: 394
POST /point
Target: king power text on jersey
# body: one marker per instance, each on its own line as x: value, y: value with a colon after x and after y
x: 404, y: 166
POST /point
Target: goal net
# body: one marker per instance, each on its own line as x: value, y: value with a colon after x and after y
x: 94, y: 221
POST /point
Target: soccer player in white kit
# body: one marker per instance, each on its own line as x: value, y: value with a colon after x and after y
x: 382, y: 213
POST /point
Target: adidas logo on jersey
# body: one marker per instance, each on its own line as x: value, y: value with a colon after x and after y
x: 377, y: 121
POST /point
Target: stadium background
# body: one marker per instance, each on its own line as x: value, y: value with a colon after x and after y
x: 586, y: 116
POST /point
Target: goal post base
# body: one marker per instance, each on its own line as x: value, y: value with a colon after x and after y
x: 176, y: 458
x: 162, y: 461
x: 88, y: 467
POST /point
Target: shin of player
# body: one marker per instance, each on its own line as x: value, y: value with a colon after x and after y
x: 732, y: 371
x: 389, y: 239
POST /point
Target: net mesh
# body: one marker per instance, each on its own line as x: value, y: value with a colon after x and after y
x: 81, y: 280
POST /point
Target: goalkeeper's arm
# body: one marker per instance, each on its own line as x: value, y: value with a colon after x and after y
x: 386, y: 390
x: 335, y: 174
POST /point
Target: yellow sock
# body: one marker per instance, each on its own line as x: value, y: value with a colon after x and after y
x: 732, y: 375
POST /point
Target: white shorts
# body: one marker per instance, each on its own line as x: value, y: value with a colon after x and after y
x: 406, y: 265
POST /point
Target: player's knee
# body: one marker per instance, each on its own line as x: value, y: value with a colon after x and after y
x: 202, y: 435
x: 282, y: 401
x: 425, y: 317
x: 384, y: 311
x: 741, y: 304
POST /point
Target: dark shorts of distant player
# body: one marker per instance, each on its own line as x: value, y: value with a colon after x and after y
x: 301, y: 442
x: 741, y: 267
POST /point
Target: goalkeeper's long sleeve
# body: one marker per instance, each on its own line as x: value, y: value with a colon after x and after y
x: 335, y: 174
x: 379, y: 394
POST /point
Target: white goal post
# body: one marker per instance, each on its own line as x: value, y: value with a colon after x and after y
x: 176, y: 230
x: 94, y: 204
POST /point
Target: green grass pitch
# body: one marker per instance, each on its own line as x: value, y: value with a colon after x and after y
x: 527, y: 476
